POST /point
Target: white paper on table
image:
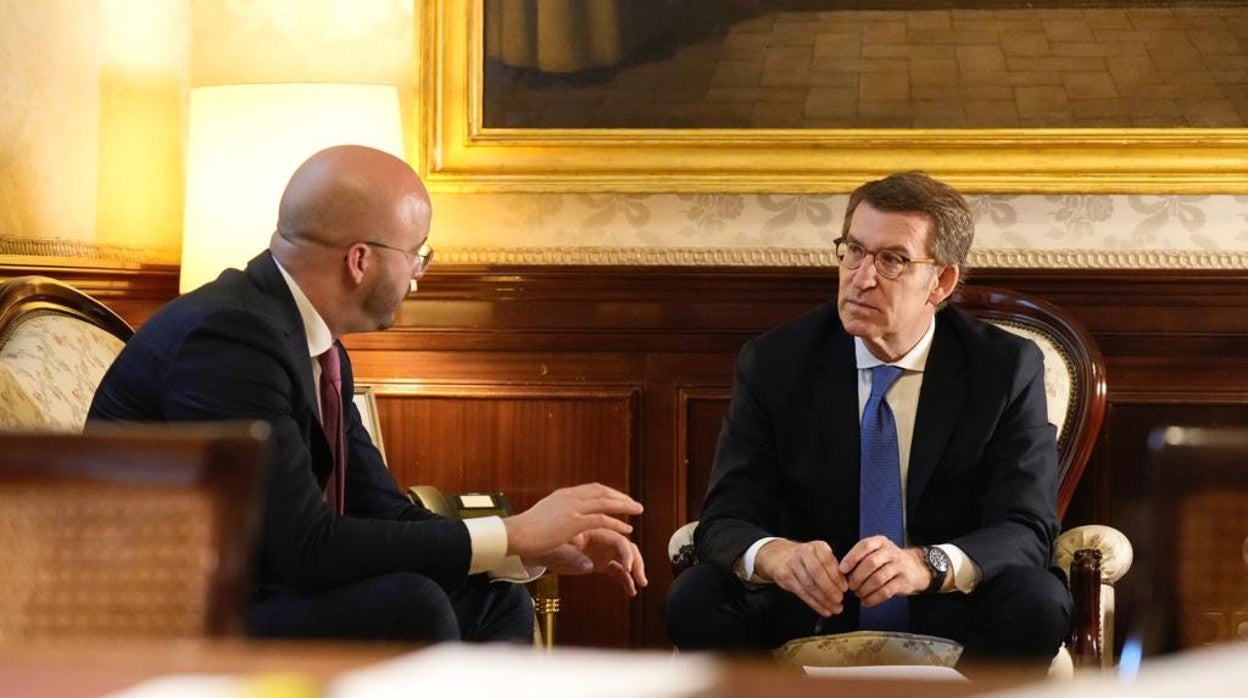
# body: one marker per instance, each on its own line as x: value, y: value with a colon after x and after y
x: 523, y: 672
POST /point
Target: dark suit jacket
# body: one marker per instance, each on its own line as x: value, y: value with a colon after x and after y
x: 983, y: 463
x: 237, y: 349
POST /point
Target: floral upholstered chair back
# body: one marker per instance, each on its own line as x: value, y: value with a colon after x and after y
x: 55, y: 345
x: 1074, y: 372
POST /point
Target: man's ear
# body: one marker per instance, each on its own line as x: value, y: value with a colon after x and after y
x: 359, y: 256
x: 944, y: 283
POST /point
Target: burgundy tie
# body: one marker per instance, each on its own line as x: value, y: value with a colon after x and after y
x: 331, y: 422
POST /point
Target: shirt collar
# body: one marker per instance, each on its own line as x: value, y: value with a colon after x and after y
x: 318, y: 335
x: 914, y: 360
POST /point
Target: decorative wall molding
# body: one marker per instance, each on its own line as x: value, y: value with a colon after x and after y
x: 108, y: 256
x: 638, y: 256
x: 1109, y: 259
x: 479, y: 390
x: 812, y: 257
x: 72, y: 249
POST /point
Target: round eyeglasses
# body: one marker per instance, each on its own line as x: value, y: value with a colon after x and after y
x: 889, y: 264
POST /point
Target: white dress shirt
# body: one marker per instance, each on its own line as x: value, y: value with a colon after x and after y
x: 903, y: 399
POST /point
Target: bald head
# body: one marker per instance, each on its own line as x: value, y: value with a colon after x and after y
x: 347, y: 193
x: 340, y: 212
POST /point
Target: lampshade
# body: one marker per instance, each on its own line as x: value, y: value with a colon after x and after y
x: 245, y: 141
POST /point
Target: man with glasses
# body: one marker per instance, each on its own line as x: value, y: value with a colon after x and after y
x: 887, y: 461
x: 343, y: 553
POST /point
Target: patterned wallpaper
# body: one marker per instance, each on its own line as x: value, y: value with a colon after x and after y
x: 49, y: 107
x: 92, y: 97
x: 1094, y: 231
x: 59, y: 110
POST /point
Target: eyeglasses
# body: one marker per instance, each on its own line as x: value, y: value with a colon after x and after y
x: 890, y: 264
x: 420, y: 259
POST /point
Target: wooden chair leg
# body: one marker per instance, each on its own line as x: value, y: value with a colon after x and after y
x: 1085, y: 626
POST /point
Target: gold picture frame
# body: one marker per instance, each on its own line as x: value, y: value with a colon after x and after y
x: 457, y: 153
x: 365, y: 399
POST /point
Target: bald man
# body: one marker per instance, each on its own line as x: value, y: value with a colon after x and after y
x: 354, y: 561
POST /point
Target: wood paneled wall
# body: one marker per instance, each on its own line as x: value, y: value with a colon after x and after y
x: 525, y: 379
x: 532, y: 378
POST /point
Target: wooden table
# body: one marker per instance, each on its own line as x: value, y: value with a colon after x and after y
x: 65, y: 670
x: 80, y: 669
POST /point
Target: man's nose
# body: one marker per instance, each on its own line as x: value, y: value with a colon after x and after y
x: 866, y: 275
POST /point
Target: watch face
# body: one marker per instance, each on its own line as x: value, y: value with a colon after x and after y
x: 937, y: 559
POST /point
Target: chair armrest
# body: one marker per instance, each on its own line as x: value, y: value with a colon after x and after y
x: 1116, y: 551
x: 680, y: 548
x: 544, y: 589
x: 1093, y: 557
x: 431, y: 498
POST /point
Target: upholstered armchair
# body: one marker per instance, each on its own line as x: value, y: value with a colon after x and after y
x: 55, y: 345
x: 1074, y: 379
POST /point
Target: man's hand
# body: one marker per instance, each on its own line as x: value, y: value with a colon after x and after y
x: 566, y: 513
x: 599, y: 551
x: 878, y: 570
x: 808, y: 570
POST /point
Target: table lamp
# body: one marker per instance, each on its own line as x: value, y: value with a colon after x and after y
x: 245, y: 141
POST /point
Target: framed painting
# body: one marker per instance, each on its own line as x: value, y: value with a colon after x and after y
x: 817, y: 96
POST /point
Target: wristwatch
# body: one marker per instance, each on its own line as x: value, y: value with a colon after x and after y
x: 938, y: 564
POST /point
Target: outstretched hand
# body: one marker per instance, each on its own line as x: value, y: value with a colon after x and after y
x: 566, y: 513
x: 600, y: 551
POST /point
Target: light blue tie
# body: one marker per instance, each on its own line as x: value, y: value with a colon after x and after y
x: 879, y: 491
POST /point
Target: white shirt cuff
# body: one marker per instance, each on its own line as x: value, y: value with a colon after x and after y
x: 745, y: 564
x: 966, y: 574
x: 489, y: 552
x: 512, y: 569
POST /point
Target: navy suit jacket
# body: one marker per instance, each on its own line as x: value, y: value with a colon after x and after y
x: 983, y: 462
x: 236, y: 349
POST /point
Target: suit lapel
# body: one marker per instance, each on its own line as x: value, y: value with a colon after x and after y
x: 835, y: 394
x: 940, y: 402
x: 263, y: 272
